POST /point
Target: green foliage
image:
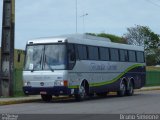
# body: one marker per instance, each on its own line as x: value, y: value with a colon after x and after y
x: 153, y: 39
x: 144, y: 36
x: 151, y: 60
x: 113, y: 38
x: 93, y: 34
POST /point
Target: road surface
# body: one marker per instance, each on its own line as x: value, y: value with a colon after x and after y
x: 142, y: 102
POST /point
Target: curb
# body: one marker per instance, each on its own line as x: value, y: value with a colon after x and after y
x: 27, y: 100
x: 147, y: 89
x: 10, y: 102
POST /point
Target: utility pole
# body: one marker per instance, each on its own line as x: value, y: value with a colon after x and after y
x: 7, y: 49
x: 76, y: 16
x: 83, y: 21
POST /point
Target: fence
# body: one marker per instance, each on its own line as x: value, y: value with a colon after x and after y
x: 18, y: 83
x: 152, y: 79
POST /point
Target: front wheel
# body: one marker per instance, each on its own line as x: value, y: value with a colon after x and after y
x: 82, y: 94
x: 122, y: 90
x: 46, y: 98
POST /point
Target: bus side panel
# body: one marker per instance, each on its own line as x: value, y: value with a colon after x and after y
x: 105, y: 76
x: 137, y: 74
x: 106, y: 88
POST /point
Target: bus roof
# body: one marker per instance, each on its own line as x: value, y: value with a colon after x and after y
x: 86, y: 40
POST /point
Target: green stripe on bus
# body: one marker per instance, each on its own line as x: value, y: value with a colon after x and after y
x: 75, y: 86
x: 113, y: 80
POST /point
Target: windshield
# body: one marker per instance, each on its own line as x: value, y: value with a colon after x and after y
x: 34, y: 57
x: 54, y: 57
x: 45, y: 57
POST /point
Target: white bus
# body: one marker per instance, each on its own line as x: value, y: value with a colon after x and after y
x: 82, y: 65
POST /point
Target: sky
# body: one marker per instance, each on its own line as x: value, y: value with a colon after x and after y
x: 45, y: 18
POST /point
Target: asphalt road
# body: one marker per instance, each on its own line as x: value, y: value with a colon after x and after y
x: 142, y: 102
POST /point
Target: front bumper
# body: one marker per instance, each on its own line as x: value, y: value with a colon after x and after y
x: 58, y: 90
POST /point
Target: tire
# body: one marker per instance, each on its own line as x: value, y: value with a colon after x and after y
x: 82, y: 94
x: 130, y: 90
x: 122, y: 91
x: 46, y: 98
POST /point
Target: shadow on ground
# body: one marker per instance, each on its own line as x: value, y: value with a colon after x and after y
x: 95, y: 98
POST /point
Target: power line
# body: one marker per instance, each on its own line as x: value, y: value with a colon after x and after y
x: 149, y: 1
x: 153, y: 3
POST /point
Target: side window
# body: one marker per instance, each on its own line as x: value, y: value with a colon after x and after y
x: 114, y: 54
x: 132, y: 56
x: 123, y: 55
x: 82, y: 52
x: 104, y: 53
x: 140, y: 57
x: 71, y: 52
x: 93, y: 53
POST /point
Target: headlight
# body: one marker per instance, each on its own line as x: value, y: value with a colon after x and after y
x: 27, y: 83
x: 59, y: 83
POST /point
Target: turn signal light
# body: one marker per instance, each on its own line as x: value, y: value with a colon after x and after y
x: 65, y: 82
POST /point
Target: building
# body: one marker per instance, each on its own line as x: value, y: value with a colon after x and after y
x: 18, y: 58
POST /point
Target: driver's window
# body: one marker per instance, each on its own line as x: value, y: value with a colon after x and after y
x: 71, y: 53
x: 71, y: 56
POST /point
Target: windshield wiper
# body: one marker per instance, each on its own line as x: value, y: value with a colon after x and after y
x: 32, y: 70
x: 50, y: 68
x: 45, y: 63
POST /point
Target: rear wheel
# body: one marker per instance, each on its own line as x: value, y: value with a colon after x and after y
x: 122, y: 90
x: 46, y: 98
x: 130, y: 90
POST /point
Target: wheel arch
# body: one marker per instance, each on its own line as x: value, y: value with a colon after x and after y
x: 125, y: 80
x: 86, y: 85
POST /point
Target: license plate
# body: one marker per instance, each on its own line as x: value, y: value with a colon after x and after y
x: 43, y: 93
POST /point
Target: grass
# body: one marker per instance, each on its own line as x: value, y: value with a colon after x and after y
x: 16, y: 95
x: 152, y: 85
x: 19, y: 94
x: 152, y: 68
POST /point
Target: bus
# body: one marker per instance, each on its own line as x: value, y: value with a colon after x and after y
x: 81, y: 65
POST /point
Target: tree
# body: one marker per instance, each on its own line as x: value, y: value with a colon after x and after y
x: 135, y: 36
x: 112, y: 37
x: 144, y: 36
